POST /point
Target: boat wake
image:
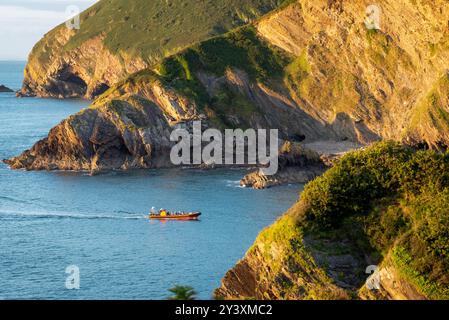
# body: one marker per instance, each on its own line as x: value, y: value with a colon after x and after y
x: 11, y: 199
x: 11, y: 214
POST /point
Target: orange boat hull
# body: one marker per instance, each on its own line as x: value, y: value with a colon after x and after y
x: 190, y: 216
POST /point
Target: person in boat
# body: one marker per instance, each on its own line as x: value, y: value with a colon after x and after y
x: 164, y: 213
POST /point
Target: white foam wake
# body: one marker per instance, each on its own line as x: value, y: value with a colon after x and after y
x: 66, y: 215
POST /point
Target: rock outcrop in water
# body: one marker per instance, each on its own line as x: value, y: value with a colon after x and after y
x: 296, y: 165
x: 301, y: 163
x: 5, y: 89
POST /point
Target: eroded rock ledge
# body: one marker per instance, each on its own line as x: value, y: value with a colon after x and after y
x: 117, y: 135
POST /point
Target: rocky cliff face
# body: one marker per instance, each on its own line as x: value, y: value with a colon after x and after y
x: 126, y: 134
x: 86, y: 71
x: 286, y: 263
x: 381, y: 80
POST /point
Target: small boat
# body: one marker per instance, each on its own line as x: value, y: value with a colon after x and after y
x: 166, y: 215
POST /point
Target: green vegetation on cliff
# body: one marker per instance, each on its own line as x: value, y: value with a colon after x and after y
x: 117, y: 38
x: 388, y: 203
x: 433, y: 112
x: 241, y: 49
x: 389, y: 198
x: 153, y: 29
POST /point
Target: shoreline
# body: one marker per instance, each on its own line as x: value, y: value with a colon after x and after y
x: 328, y: 151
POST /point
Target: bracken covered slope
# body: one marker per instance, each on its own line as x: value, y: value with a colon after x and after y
x: 120, y: 37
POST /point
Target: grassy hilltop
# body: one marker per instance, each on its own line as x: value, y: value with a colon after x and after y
x: 149, y: 28
x: 119, y: 37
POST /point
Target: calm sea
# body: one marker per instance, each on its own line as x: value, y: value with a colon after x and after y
x: 50, y: 220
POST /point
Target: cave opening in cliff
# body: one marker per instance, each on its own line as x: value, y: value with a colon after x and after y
x: 100, y: 89
x: 73, y: 78
x: 73, y: 83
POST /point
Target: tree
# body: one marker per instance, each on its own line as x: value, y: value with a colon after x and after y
x: 182, y: 293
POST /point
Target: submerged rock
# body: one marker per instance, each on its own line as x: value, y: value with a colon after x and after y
x: 288, y: 175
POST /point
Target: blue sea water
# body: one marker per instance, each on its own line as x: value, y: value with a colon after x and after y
x: 50, y: 220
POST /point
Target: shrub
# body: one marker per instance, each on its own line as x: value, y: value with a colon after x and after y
x: 389, y: 198
x: 350, y: 187
x: 431, y: 220
x: 426, y: 169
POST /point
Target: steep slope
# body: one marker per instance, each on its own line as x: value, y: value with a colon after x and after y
x: 118, y: 37
x: 312, y: 70
x: 376, y: 78
x: 383, y: 207
x: 430, y: 118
